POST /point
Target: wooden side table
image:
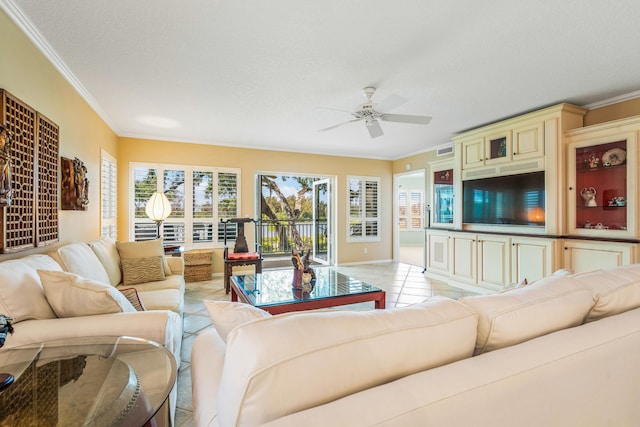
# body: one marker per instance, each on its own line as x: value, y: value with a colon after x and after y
x: 197, y: 265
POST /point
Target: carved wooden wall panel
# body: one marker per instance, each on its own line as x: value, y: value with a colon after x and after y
x: 32, y: 218
x: 48, y: 137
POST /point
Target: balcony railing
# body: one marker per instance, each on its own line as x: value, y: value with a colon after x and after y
x: 278, y: 236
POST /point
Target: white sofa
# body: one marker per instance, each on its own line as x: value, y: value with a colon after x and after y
x: 560, y: 352
x: 54, y: 309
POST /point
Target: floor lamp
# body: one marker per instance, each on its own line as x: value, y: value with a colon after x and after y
x: 158, y: 208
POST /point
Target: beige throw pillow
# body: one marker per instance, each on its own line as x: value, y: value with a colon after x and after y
x: 131, y: 252
x: 142, y: 270
x: 227, y: 315
x: 70, y: 295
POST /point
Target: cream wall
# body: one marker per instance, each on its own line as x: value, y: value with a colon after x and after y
x: 29, y: 76
x: 253, y: 161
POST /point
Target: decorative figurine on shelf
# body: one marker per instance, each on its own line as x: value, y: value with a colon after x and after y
x: 593, y: 161
x: 589, y: 196
x: 5, y: 166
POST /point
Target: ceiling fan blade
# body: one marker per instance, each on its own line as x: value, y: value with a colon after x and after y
x: 374, y: 129
x: 405, y: 118
x: 333, y: 109
x: 391, y: 102
x: 338, y: 125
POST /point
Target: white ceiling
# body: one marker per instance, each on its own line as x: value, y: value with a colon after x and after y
x: 252, y: 73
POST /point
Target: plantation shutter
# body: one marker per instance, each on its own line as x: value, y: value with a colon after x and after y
x: 108, y: 196
x: 364, y: 209
x: 199, y: 197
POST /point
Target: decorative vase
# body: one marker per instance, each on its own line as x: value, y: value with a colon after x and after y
x: 589, y: 196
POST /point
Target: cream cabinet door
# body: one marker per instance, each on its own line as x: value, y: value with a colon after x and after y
x: 532, y: 258
x: 581, y: 256
x: 438, y: 253
x: 528, y: 141
x: 473, y: 153
x: 464, y: 257
x: 493, y: 261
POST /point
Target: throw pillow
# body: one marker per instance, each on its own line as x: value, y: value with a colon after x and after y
x: 70, y: 295
x: 227, y: 315
x: 144, y: 249
x: 320, y: 356
x: 142, y: 270
x: 131, y: 294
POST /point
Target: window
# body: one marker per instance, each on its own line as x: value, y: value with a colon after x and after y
x: 199, y: 197
x: 364, y: 209
x: 411, y: 210
x: 108, y: 193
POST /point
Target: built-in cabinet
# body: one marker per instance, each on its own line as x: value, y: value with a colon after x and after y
x: 532, y: 258
x: 489, y: 261
x: 487, y: 150
x: 438, y: 252
x: 585, y: 255
x: 590, y: 217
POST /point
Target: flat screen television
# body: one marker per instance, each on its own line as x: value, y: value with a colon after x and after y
x: 510, y: 200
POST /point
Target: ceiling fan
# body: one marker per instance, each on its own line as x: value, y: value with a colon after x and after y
x: 370, y: 116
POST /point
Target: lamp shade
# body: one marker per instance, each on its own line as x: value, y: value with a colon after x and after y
x: 158, y: 207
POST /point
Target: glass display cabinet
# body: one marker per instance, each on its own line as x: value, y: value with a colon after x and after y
x: 599, y: 198
x: 442, y: 194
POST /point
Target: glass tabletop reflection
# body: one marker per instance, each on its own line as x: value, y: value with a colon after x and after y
x: 276, y: 287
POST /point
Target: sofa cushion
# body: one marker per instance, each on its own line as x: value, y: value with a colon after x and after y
x: 290, y: 362
x: 169, y: 282
x: 78, y: 258
x: 548, y: 305
x: 21, y: 293
x: 106, y: 251
x: 226, y: 315
x: 132, y: 296
x: 616, y: 290
x: 142, y: 270
x: 165, y: 299
x: 71, y: 295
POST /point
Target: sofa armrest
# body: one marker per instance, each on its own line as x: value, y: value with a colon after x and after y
x: 207, y: 360
x: 161, y: 326
x: 176, y: 264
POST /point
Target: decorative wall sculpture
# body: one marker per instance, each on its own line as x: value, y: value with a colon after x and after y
x: 5, y: 166
x: 31, y: 218
x: 75, y: 185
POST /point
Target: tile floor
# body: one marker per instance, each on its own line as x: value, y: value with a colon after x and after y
x: 405, y: 284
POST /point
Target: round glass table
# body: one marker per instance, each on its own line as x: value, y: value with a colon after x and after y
x: 96, y: 381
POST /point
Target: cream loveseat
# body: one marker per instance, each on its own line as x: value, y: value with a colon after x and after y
x: 75, y: 291
x: 562, y: 351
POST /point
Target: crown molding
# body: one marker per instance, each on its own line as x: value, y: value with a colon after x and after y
x: 23, y: 23
x: 614, y: 100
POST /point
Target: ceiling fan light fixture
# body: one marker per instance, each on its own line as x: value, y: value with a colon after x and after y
x: 370, y: 116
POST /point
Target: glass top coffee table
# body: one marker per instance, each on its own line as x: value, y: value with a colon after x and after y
x: 96, y: 381
x: 273, y: 291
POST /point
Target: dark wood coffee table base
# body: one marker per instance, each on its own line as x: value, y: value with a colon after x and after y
x: 378, y: 297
